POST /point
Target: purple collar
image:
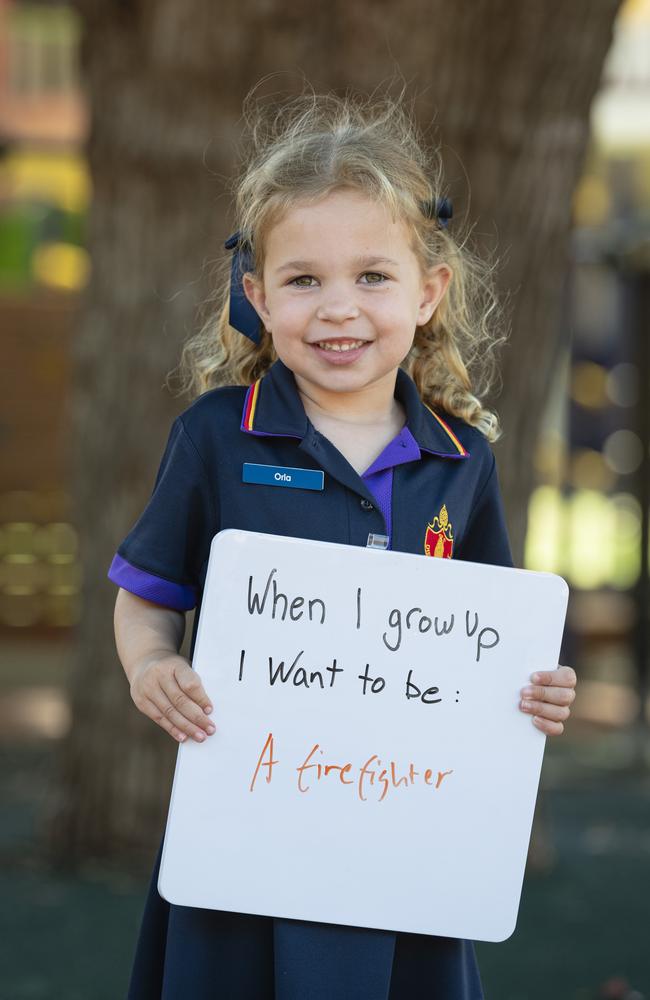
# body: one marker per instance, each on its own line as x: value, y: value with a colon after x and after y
x: 403, y: 448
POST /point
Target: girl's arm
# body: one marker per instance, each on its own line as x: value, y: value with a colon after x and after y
x: 163, y: 685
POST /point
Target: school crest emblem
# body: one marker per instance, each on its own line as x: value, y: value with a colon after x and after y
x: 439, y: 536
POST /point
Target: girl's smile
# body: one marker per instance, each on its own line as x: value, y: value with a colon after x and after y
x: 341, y: 350
x: 341, y: 294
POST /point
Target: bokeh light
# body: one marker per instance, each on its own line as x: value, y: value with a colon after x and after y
x: 623, y: 452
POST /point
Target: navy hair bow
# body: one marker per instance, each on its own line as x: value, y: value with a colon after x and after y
x: 439, y: 208
x: 243, y: 316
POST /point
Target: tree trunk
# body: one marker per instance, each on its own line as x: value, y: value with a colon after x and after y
x: 510, y: 85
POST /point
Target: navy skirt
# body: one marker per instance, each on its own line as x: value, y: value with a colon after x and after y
x: 183, y: 951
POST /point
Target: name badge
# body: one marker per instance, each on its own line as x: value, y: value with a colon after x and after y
x: 279, y: 475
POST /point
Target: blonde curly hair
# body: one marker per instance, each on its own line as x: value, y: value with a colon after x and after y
x: 301, y: 150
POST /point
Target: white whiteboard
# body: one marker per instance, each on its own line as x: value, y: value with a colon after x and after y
x: 415, y: 848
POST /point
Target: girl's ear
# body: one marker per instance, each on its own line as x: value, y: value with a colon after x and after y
x: 254, y: 291
x: 434, y: 285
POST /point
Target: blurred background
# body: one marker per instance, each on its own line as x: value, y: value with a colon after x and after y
x: 84, y: 800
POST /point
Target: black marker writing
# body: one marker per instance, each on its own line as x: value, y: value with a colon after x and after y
x: 414, y: 619
x: 487, y: 631
x: 426, y: 697
x: 376, y: 685
x: 480, y: 644
x: 294, y: 608
x: 299, y: 676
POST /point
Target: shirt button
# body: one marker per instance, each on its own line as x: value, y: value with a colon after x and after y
x: 366, y: 505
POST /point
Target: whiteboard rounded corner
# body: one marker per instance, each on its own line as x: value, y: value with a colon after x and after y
x: 565, y: 589
x: 560, y: 583
x: 163, y: 891
x: 503, y: 933
x: 223, y: 534
x: 171, y: 890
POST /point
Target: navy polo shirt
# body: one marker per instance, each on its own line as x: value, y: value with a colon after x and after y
x: 432, y: 491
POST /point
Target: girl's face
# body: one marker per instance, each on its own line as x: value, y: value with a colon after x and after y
x: 342, y: 293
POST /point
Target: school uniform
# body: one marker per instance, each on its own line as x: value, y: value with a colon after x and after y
x: 433, y: 491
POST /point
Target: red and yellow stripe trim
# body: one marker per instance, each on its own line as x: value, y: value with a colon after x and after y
x: 461, y: 450
x: 250, y: 405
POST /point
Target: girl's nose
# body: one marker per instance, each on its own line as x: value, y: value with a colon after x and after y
x: 337, y: 310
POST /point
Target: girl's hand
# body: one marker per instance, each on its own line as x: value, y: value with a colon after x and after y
x: 548, y: 698
x: 166, y: 688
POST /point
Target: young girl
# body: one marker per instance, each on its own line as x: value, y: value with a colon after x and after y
x: 354, y: 337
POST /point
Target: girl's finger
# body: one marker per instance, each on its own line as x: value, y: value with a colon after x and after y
x: 562, y: 677
x: 190, y: 682
x: 150, y: 709
x: 553, y: 695
x: 543, y: 710
x: 174, y: 706
x: 182, y: 703
x: 548, y: 727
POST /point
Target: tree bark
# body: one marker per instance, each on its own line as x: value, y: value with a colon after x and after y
x: 510, y: 85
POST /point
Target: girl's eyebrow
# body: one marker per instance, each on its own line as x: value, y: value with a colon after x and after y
x: 358, y: 262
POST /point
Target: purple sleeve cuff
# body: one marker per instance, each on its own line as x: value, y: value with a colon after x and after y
x: 178, y: 596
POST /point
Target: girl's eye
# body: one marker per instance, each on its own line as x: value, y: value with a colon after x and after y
x: 375, y: 278
x: 301, y: 280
